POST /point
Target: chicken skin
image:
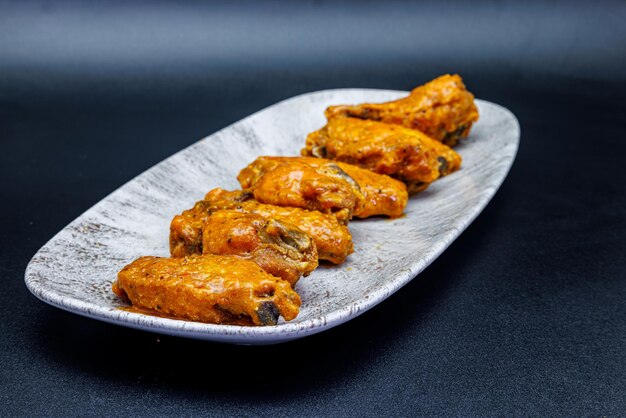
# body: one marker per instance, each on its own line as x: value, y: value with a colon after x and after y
x: 209, y: 288
x: 332, y: 239
x: 261, y: 169
x: 381, y: 194
x: 442, y: 109
x: 327, y: 189
x: 405, y: 154
x: 279, y: 248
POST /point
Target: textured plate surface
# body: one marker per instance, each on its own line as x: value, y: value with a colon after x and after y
x: 75, y: 269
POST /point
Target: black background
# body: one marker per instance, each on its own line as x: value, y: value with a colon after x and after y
x: 524, y: 314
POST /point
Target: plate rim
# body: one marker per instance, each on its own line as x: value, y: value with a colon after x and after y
x: 256, y: 335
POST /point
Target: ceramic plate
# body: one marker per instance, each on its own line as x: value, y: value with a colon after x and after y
x: 75, y: 269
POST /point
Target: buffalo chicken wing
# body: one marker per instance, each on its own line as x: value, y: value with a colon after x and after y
x: 381, y: 194
x: 279, y: 248
x: 443, y: 109
x: 326, y: 189
x: 208, y: 288
x: 332, y: 239
x: 405, y: 154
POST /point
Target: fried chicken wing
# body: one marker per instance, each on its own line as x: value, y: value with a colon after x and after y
x: 332, y: 239
x: 279, y: 248
x: 186, y: 230
x: 405, y: 154
x: 222, y: 198
x: 208, y: 288
x: 381, y: 194
x: 326, y: 189
x: 443, y: 109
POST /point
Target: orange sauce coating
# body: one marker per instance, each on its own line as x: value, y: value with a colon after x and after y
x: 402, y: 153
x: 443, y: 109
x: 207, y: 288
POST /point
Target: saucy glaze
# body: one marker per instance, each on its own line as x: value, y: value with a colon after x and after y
x: 405, y: 154
x: 378, y: 194
x: 332, y: 239
x: 443, y: 109
x: 279, y: 248
x: 209, y: 288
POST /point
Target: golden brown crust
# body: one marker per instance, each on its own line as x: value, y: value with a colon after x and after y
x: 208, y: 288
x: 377, y: 194
x: 332, y: 239
x: 279, y: 248
x: 443, y: 109
x: 405, y: 154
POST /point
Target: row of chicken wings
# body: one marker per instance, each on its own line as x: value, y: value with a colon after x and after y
x: 236, y: 256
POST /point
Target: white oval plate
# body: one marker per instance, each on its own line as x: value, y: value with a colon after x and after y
x: 75, y: 269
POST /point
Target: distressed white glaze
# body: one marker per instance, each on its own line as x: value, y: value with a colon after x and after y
x: 75, y: 269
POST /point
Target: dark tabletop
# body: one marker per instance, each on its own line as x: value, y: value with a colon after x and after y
x: 525, y: 314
